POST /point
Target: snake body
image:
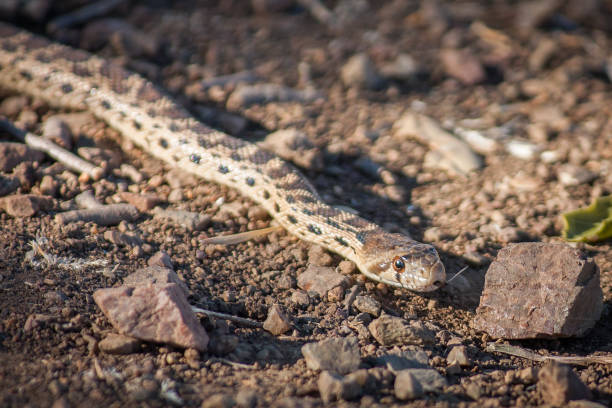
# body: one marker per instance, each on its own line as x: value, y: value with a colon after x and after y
x: 69, y: 78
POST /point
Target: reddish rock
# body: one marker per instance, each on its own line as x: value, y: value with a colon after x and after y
x: 559, y: 384
x: 144, y: 202
x: 320, y: 279
x: 157, y: 313
x: 277, y: 321
x: 539, y: 290
x: 119, y: 344
x: 155, y: 275
x: 390, y: 330
x: 11, y: 154
x: 25, y: 205
x: 161, y: 258
x: 463, y: 66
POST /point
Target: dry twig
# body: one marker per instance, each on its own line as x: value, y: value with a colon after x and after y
x: 240, y: 320
x: 530, y: 355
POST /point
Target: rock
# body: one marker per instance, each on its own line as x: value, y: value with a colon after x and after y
x: 294, y: 146
x: 56, y: 130
x: 559, y: 384
x: 539, y: 290
x: 462, y: 65
x: 277, y: 321
x: 396, y: 362
x: 189, y: 220
x: 318, y: 256
x: 271, y: 6
x: 128, y: 239
x: 126, y: 39
x: 406, y: 386
x: 144, y: 202
x: 458, y: 355
x: 366, y: 304
x: 531, y: 14
x: 223, y: 344
x: 333, y: 387
x: 162, y: 259
x: 390, y: 330
x: 404, y: 68
x: 11, y: 154
x: 25, y: 205
x: 219, y: 401
x: 570, y: 175
x: 430, y: 379
x: 299, y: 297
x: 528, y: 375
x: 359, y: 71
x: 246, y: 95
x: 158, y: 313
x: 340, y: 355
x: 12, y: 105
x: 119, y: 344
x: 48, y: 186
x: 246, y: 398
x: 522, y: 149
x: 8, y: 184
x: 320, y: 279
x: 153, y: 275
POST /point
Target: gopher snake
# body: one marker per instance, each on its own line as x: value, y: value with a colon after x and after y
x: 73, y: 79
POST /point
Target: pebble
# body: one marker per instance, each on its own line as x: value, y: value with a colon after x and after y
x: 430, y: 379
x: 26, y: 205
x: 390, y: 330
x: 528, y: 375
x: 8, y: 184
x: 219, y: 401
x: 277, y: 322
x: 347, y: 267
x: 522, y: 149
x: 366, y: 304
x: 321, y: 279
x: 463, y: 66
x: 154, y: 275
x: 128, y: 239
x: 12, y: 105
x: 246, y: 398
x: 158, y: 313
x: 161, y: 258
x: 406, y: 386
x: 11, y: 154
x: 403, y: 360
x: 144, y: 202
x: 571, y: 175
x: 223, y: 344
x: 334, y: 387
x: 339, y: 355
x: 189, y: 220
x: 459, y: 355
x: 559, y: 384
x: 246, y: 95
x: 294, y: 146
x: 55, y: 129
x: 119, y: 344
x: 317, y: 255
x: 404, y: 68
x: 359, y: 71
x: 300, y: 297
x: 535, y: 290
x: 48, y: 186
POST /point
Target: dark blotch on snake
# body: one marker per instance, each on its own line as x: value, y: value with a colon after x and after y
x: 307, y: 211
x: 223, y: 169
x: 137, y: 125
x: 26, y: 75
x: 360, y: 237
x: 276, y: 207
x: 250, y: 181
x: 106, y: 104
x: 235, y: 156
x: 333, y: 223
x: 195, y: 158
x: 341, y: 241
x: 163, y: 143
x: 314, y: 229
x: 266, y: 194
x: 173, y: 127
x: 292, y: 219
x: 290, y: 199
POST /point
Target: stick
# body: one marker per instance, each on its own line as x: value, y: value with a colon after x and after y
x: 530, y: 355
x: 103, y: 215
x: 240, y: 237
x: 68, y: 159
x: 240, y: 320
x: 83, y: 14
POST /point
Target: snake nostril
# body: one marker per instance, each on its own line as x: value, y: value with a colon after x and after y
x: 438, y: 284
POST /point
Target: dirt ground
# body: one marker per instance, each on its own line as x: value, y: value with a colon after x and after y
x: 545, y: 79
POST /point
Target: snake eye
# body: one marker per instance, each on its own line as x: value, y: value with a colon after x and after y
x: 398, y: 264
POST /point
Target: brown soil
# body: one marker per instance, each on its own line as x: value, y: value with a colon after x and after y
x: 58, y: 361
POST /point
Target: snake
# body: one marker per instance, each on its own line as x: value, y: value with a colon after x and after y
x: 142, y: 112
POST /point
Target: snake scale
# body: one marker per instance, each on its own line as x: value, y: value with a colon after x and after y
x: 73, y: 79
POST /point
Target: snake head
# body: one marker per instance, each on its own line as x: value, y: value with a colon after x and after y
x: 399, y: 261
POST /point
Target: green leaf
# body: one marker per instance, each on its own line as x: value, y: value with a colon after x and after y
x: 589, y: 224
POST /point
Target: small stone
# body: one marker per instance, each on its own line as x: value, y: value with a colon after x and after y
x: 406, y: 386
x: 335, y: 294
x: 144, y: 202
x: 277, y: 321
x: 128, y: 239
x: 347, y: 267
x: 528, y: 375
x: 430, y: 379
x: 57, y: 131
x: 318, y: 256
x: 398, y: 361
x: 176, y: 196
x: 539, y: 290
x: 286, y: 282
x: 223, y: 344
x: 12, y: 105
x: 359, y: 71
x: 61, y: 402
x: 119, y: 344
x: 340, y: 355
x: 458, y: 355
x: 462, y: 65
x: 570, y: 175
x: 404, y: 68
x: 11, y: 154
x: 189, y: 220
x: 153, y: 275
x: 321, y: 279
x: 522, y: 149
x: 8, y: 184
x: 219, y: 401
x: 257, y: 213
x: 390, y: 330
x: 158, y: 313
x: 246, y: 398
x: 26, y: 205
x: 300, y: 297
x: 334, y: 387
x: 162, y: 259
x: 474, y: 391
x: 48, y: 186
x: 366, y: 304
x: 559, y: 384
x: 294, y: 146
